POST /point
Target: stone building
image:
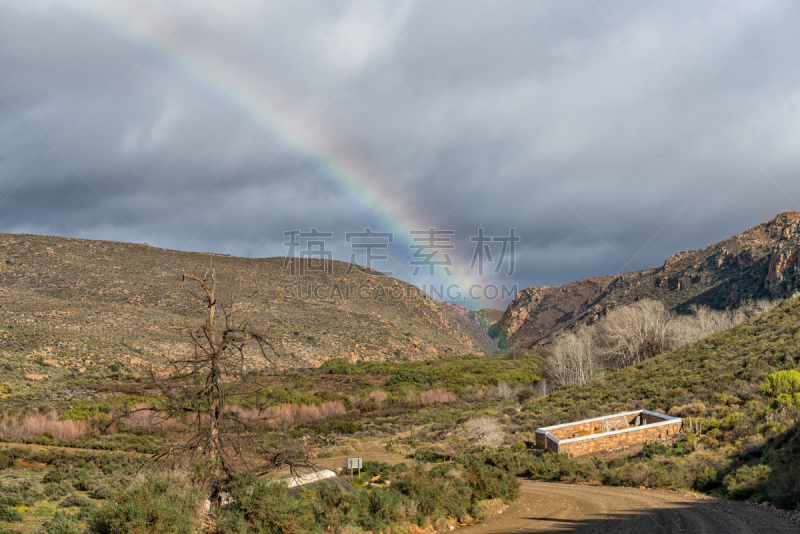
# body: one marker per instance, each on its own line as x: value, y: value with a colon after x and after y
x: 608, y: 433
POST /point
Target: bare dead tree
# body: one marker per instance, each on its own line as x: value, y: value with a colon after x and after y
x: 485, y: 432
x: 573, y: 358
x: 703, y: 321
x: 504, y: 391
x: 633, y: 333
x: 211, y: 391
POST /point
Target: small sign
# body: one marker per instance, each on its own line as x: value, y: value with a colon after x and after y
x: 353, y: 463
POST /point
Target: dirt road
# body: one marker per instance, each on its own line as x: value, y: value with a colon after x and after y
x: 552, y: 507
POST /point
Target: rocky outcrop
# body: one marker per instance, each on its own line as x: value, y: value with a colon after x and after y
x: 481, y: 319
x: 763, y: 262
x: 539, y: 311
x: 783, y: 276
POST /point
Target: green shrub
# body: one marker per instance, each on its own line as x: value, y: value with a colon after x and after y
x: 337, y: 366
x: 747, y: 480
x: 706, y: 479
x: 154, y: 506
x: 551, y: 466
x: 440, y: 490
x: 264, y: 507
x: 525, y: 395
x: 654, y: 448
x: 15, y: 452
x: 377, y: 509
x: 427, y: 455
x: 9, y: 514
x: 786, y: 399
x: 330, y: 505
x: 20, y: 493
x: 372, y: 468
x: 406, y: 377
x: 6, y: 461
x: 85, y: 411
x: 488, y: 482
x: 77, y: 500
x: 58, y: 489
x: 342, y: 427
x: 787, y: 381
x: 62, y: 523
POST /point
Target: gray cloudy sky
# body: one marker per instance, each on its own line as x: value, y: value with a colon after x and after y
x: 610, y: 135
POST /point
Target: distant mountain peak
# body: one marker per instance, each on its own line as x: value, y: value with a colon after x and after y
x: 762, y: 262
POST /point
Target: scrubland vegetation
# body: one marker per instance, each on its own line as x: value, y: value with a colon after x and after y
x: 109, y: 493
x: 372, y: 402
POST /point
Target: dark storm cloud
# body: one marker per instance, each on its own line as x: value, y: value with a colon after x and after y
x: 609, y: 136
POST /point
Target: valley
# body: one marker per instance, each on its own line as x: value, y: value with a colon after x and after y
x: 91, y: 335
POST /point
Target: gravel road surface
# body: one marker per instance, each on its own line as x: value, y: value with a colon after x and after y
x: 553, y: 507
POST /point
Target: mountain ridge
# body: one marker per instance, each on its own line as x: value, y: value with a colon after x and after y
x: 82, y: 304
x: 762, y: 262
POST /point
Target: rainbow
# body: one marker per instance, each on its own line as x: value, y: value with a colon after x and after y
x: 362, y: 192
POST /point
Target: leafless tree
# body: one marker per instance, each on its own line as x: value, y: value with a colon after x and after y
x: 504, y: 391
x: 703, y: 321
x: 485, y: 432
x: 633, y: 333
x: 630, y: 334
x: 542, y: 388
x: 197, y: 386
x: 573, y: 358
x: 764, y: 305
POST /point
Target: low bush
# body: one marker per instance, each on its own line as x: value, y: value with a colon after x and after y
x: 9, y: 514
x: 58, y: 489
x: 786, y: 381
x: 454, y: 374
x: 488, y: 482
x: 6, y: 461
x: 330, y: 505
x: 77, y: 500
x: 264, y: 507
x: 378, y: 510
x: 153, y: 506
x: 61, y: 523
x: 747, y: 480
x: 443, y: 489
x: 20, y: 493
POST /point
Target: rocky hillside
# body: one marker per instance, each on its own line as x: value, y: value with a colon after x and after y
x: 99, y: 307
x: 482, y: 318
x: 762, y: 262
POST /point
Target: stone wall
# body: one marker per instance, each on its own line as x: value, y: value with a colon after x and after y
x: 620, y: 440
x: 649, y: 418
x: 617, y: 431
x: 595, y: 427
